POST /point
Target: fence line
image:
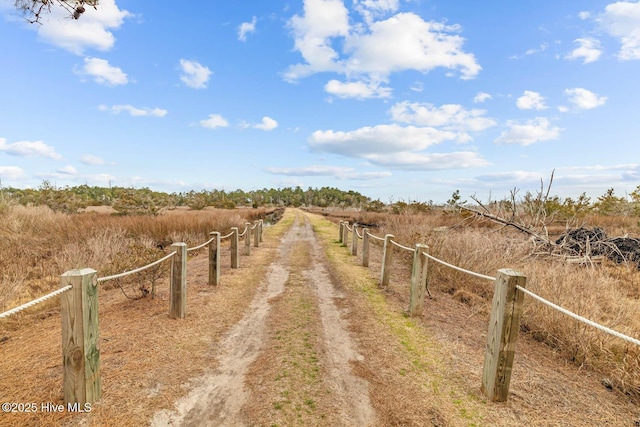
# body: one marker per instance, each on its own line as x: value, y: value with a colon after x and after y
x: 137, y: 270
x: 402, y: 247
x: 381, y: 239
x: 455, y: 267
x: 580, y: 318
x: 505, y: 314
x: 246, y: 227
x: 34, y: 302
x: 195, y: 248
x: 79, y: 310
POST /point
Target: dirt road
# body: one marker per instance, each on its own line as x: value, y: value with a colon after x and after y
x: 289, y: 360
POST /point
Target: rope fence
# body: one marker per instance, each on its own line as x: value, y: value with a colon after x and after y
x: 402, y: 247
x: 35, y: 302
x: 137, y: 270
x: 79, y: 308
x: 505, y: 314
x: 455, y: 267
x: 580, y: 318
x: 195, y: 248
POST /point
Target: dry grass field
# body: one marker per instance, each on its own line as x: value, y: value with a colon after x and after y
x: 605, y: 292
x: 564, y: 372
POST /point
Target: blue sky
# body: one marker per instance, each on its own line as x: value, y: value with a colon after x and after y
x: 399, y: 100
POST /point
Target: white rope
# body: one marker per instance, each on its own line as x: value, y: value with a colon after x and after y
x: 482, y: 276
x: 580, y: 318
x: 254, y: 226
x: 346, y: 224
x: 243, y: 233
x: 201, y: 246
x: 226, y: 235
x: 376, y: 237
x: 137, y: 270
x: 35, y: 301
x: 403, y: 247
x: 358, y: 234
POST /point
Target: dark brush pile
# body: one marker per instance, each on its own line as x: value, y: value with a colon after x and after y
x: 582, y: 241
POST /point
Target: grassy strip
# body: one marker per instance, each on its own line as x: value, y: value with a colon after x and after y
x: 422, y: 354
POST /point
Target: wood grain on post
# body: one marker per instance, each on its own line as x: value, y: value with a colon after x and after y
x: 247, y: 239
x: 365, y: 247
x: 504, y: 325
x: 80, y: 337
x: 261, y: 230
x: 354, y: 240
x: 178, y: 286
x: 234, y: 247
x: 214, y: 258
x: 387, y: 253
x: 418, y: 281
x: 340, y: 231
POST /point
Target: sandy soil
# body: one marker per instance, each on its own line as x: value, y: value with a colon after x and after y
x: 228, y: 395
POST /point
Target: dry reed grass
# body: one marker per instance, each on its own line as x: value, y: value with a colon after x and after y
x: 147, y: 359
x: 37, y: 245
x: 607, y: 293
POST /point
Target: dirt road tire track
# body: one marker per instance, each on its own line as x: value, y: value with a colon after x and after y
x: 244, y: 388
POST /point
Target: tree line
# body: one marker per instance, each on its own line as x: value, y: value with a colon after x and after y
x: 128, y: 200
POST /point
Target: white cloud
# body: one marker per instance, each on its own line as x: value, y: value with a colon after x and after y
x: 510, y: 177
x: 92, y: 31
x: 395, y: 146
x: 195, y: 75
x: 377, y: 48
x: 29, y: 149
x: 246, y: 28
x: 381, y: 139
x: 622, y: 20
x: 102, y: 72
x: 322, y: 20
x: 91, y: 160
x: 134, y: 111
x: 429, y: 161
x: 358, y: 90
x: 214, y: 121
x: 529, y: 132
x: 588, y: 49
x: 407, y: 42
x: 335, y: 171
x: 11, y: 172
x: 481, y: 97
x: 541, y: 48
x: 369, y: 9
x: 451, y: 117
x: 267, y: 124
x: 531, y: 101
x: 584, y: 99
x: 68, y: 170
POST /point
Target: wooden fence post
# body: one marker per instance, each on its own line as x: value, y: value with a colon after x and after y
x: 178, y: 286
x: 256, y: 234
x: 340, y: 231
x: 261, y: 224
x: 387, y: 252
x: 214, y: 258
x: 345, y: 234
x: 247, y: 239
x: 418, y: 281
x: 365, y: 247
x: 504, y: 325
x: 354, y: 241
x: 80, y: 337
x: 234, y: 247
